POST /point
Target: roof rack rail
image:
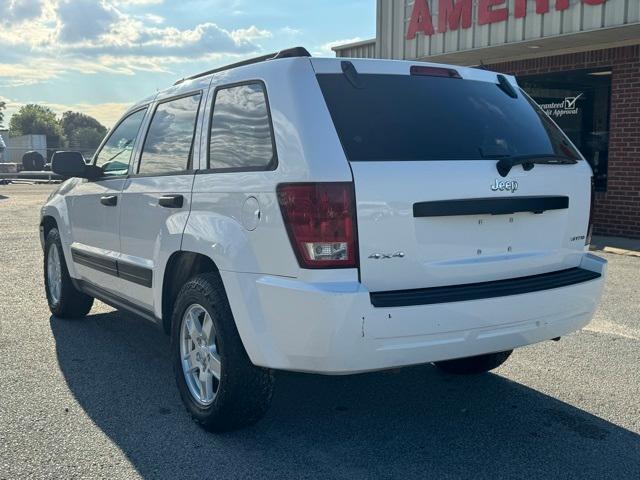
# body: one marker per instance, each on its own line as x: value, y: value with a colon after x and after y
x: 288, y: 53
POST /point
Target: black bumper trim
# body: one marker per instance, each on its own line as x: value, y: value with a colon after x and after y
x: 477, y: 291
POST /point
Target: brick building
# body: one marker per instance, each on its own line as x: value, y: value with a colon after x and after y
x: 579, y: 59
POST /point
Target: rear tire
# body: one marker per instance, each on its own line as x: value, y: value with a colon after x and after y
x: 220, y: 387
x: 65, y: 301
x: 474, y: 365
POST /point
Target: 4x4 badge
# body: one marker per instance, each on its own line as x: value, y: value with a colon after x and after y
x: 384, y: 256
x: 504, y: 186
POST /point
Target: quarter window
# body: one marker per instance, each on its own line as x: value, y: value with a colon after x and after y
x: 168, y: 147
x: 241, y: 136
x: 116, y: 153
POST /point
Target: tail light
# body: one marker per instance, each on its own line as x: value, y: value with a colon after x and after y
x: 320, y: 221
x: 591, y: 209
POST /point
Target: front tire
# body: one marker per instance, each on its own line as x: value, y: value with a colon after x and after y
x: 220, y: 387
x: 474, y: 365
x: 65, y: 301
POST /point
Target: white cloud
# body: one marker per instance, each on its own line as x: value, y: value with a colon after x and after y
x: 16, y: 11
x: 27, y: 22
x: 95, y: 35
x: 84, y: 19
x: 325, y: 49
x: 40, y: 69
x: 106, y: 113
x: 246, y: 35
x: 290, y: 31
x: 151, y: 18
x: 138, y: 2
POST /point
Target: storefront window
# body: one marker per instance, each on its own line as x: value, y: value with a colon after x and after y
x: 578, y: 101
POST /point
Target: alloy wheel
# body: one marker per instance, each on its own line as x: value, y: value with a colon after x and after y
x: 199, y: 354
x: 54, y: 274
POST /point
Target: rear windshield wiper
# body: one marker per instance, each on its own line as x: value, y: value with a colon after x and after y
x: 505, y: 164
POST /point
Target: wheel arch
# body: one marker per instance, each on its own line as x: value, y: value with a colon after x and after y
x: 55, y: 214
x: 181, y: 266
x: 48, y: 223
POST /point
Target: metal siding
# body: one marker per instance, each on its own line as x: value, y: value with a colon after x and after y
x: 438, y: 39
x: 515, y: 28
x: 386, y: 30
x: 466, y: 34
x: 411, y: 46
x: 532, y: 21
x: 614, y: 12
x: 593, y: 17
x: 481, y: 34
x: 394, y: 17
x: 361, y: 50
x: 572, y: 18
x: 633, y: 11
x: 497, y: 33
x: 450, y: 38
x: 552, y: 22
x: 400, y: 28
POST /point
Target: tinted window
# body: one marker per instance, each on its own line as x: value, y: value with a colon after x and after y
x: 116, y: 152
x: 579, y: 102
x: 402, y: 117
x: 240, y: 129
x: 169, y: 143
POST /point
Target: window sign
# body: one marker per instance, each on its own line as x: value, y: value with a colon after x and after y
x: 558, y: 108
x: 578, y: 102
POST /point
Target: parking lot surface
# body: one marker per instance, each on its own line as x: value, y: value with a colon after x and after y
x: 95, y: 398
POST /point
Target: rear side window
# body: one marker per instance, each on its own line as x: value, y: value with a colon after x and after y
x: 404, y: 117
x: 241, y: 136
x: 168, y: 147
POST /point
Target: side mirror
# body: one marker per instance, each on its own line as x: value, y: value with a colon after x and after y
x: 72, y: 164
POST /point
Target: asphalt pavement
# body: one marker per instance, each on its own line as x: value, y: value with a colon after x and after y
x: 96, y: 398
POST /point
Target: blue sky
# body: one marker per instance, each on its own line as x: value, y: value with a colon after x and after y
x: 99, y: 56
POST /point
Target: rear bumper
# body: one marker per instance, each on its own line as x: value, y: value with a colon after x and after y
x: 333, y: 328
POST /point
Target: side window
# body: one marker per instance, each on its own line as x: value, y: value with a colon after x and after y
x: 116, y: 153
x: 169, y: 143
x: 241, y: 136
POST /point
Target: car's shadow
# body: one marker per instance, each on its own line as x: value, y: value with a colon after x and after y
x: 411, y: 423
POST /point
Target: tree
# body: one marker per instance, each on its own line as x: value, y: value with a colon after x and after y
x: 86, y: 138
x: 83, y: 131
x: 3, y: 105
x: 38, y: 120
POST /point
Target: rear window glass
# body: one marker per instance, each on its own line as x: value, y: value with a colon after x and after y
x: 403, y: 117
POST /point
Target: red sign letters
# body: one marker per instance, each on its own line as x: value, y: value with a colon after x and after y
x: 456, y: 14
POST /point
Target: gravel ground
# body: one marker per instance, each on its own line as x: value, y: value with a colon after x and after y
x: 96, y: 398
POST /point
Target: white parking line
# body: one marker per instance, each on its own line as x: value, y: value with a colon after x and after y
x: 604, y: 326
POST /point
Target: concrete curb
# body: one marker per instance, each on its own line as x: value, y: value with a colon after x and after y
x: 616, y: 245
x: 616, y: 251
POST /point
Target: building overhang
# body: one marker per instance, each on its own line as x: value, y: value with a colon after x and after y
x: 544, y: 47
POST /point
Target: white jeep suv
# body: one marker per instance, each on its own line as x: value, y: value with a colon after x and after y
x: 330, y: 216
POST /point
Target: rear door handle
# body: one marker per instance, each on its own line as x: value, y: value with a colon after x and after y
x: 171, y: 201
x: 109, y: 200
